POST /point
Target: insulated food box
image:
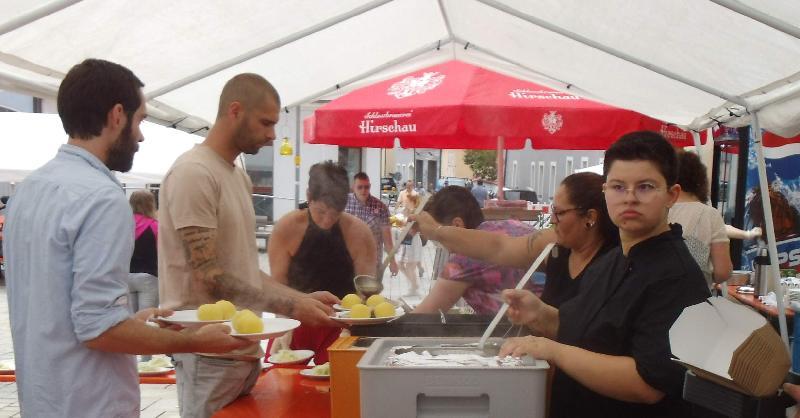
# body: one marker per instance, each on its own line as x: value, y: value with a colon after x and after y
x: 451, y: 391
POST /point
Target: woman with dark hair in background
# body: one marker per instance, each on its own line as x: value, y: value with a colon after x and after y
x: 143, y: 276
x: 143, y: 280
x: 321, y: 249
x: 703, y: 227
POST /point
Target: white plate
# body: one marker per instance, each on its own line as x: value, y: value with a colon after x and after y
x: 309, y: 374
x: 188, y: 319
x: 159, y: 371
x: 273, y: 327
x: 302, y: 357
x: 339, y: 307
x: 344, y: 317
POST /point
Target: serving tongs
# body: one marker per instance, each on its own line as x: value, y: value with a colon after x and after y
x: 522, y: 282
x: 367, y: 285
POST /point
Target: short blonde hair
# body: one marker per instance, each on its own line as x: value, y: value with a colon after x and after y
x: 143, y: 203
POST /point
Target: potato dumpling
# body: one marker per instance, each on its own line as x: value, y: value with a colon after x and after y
x: 384, y: 309
x: 209, y: 312
x: 246, y: 322
x: 375, y: 300
x: 228, y: 310
x: 360, y: 311
x: 349, y: 300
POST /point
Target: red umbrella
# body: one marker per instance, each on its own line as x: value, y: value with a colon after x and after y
x: 456, y: 105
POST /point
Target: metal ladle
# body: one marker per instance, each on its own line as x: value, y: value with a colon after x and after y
x: 367, y: 285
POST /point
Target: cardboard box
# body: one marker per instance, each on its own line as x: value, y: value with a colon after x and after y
x: 731, y: 345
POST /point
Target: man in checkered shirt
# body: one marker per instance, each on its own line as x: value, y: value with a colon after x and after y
x: 368, y: 208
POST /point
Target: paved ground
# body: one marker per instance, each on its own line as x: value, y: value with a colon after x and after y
x: 160, y: 401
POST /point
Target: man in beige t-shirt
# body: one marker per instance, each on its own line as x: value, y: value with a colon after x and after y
x: 207, y: 250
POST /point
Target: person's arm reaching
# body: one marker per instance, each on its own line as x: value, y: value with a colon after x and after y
x: 360, y: 244
x: 99, y: 309
x: 200, y: 246
x: 525, y: 308
x: 484, y: 245
x: 388, y: 245
x: 444, y: 294
x: 278, y: 249
x: 612, y: 376
x: 736, y: 233
x: 133, y: 336
x: 721, y: 261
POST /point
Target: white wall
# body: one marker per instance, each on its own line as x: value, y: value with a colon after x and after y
x: 310, y: 154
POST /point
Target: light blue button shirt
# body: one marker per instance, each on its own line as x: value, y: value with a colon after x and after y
x: 68, y: 241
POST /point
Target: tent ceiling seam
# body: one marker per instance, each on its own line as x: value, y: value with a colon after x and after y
x: 374, y: 70
x: 36, y: 14
x: 23, y: 64
x: 567, y: 85
x: 761, y: 17
x: 327, y: 23
x: 613, y: 52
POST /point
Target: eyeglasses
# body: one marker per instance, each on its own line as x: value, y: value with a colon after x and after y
x: 363, y: 187
x: 643, y: 192
x: 557, y: 213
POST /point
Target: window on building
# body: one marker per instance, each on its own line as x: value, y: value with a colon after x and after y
x: 553, y: 171
x: 260, y: 169
x: 513, y: 179
x: 532, y: 180
x: 569, y: 169
x: 350, y: 159
x: 584, y: 162
x: 540, y: 178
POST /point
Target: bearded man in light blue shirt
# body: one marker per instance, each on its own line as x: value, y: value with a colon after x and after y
x: 68, y: 242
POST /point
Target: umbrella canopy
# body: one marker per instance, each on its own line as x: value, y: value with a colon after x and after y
x: 463, y: 106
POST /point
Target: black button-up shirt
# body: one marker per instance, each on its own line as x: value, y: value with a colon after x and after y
x: 626, y: 307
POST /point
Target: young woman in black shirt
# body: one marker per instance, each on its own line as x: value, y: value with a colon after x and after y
x: 610, y: 344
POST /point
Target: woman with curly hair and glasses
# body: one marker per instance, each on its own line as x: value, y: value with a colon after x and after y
x: 581, y: 229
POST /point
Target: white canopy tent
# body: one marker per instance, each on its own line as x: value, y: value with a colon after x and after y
x: 694, y: 63
x: 29, y: 140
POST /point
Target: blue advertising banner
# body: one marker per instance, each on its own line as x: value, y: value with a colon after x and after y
x: 782, y: 157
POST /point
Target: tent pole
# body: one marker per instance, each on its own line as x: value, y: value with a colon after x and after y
x: 501, y: 167
x: 737, y: 6
x: 696, y: 138
x: 769, y: 227
x: 697, y: 144
x: 36, y: 14
x: 298, y: 125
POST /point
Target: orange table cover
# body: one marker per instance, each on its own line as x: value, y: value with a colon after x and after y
x: 167, y: 379
x: 282, y: 392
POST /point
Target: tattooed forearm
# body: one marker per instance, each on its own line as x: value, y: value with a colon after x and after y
x: 532, y: 243
x: 199, y: 246
x: 222, y: 285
